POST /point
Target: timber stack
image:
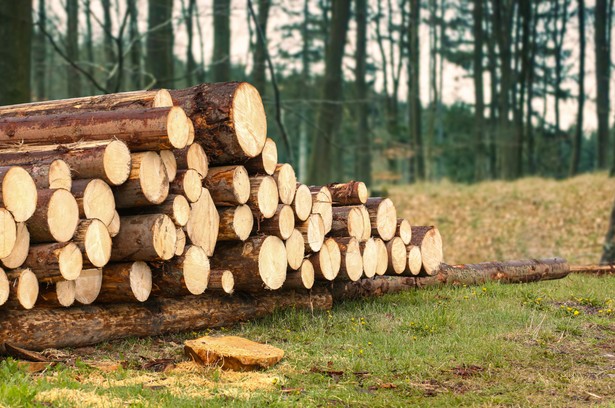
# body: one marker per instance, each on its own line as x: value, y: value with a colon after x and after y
x: 176, y: 200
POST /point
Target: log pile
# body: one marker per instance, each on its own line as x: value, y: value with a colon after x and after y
x: 169, y: 209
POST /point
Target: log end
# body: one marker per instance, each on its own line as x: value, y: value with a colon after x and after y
x: 295, y: 249
x: 268, y: 197
x: 27, y: 289
x: 415, y: 261
x: 362, y: 192
x: 315, y: 232
x: 307, y: 273
x: 97, y: 243
x: 117, y: 162
x: 192, y: 185
x: 19, y: 193
x: 272, y: 262
x: 153, y: 178
x: 196, y: 270
x: 66, y: 292
x: 286, y: 181
x: 204, y: 223
x: 170, y: 164
x: 249, y: 119
x: 178, y: 129
x: 323, y: 205
x: 20, y: 250
x: 87, y: 286
x: 181, y: 210
x: 269, y: 156
x: 140, y: 280
x: 114, y: 225
x: 98, y: 201
x: 397, y: 256
x: 8, y: 233
x: 370, y: 257
x: 197, y: 159
x: 162, y: 99
x: 243, y: 222
x: 180, y: 244
x: 164, y: 236
x: 63, y: 214
x: 404, y: 230
x: 59, y: 175
x: 241, y: 185
x: 353, y: 260
x: 386, y: 219
x: 286, y: 221
x: 382, y: 263
x: 431, y: 251
x: 4, y: 287
x: 70, y: 261
x: 302, y: 202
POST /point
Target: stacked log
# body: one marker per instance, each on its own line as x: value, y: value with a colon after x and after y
x: 171, y: 199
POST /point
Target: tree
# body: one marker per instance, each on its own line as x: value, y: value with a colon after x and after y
x: 364, y: 157
x: 16, y: 34
x: 578, y: 137
x: 259, y: 79
x: 480, y: 161
x: 110, y: 56
x: 221, y: 64
x: 89, y: 45
x: 603, y: 76
x: 324, y: 162
x: 160, y: 43
x: 414, y: 91
x: 73, y: 81
x: 39, y: 57
x: 135, y: 50
x: 190, y: 63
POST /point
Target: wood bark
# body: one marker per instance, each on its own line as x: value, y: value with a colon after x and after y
x: 55, y: 262
x: 236, y: 223
x: 184, y: 275
x: 221, y: 280
x: 259, y: 262
x: 50, y: 175
x: 175, y: 207
x: 348, y: 221
x: 229, y: 119
x: 74, y: 327
x: 149, y: 237
x: 56, y: 217
x: 125, y: 283
x: 140, y: 129
x: 593, y: 269
x: 57, y: 295
x: 228, y: 185
x: 350, y: 193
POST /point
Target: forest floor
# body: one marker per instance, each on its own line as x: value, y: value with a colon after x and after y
x: 541, y: 344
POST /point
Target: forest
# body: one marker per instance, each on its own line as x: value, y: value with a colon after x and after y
x: 388, y: 92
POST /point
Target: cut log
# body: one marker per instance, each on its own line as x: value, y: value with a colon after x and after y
x: 21, y: 248
x: 108, y: 102
x: 348, y: 222
x: 183, y: 275
x: 140, y: 129
x: 313, y: 231
x: 404, y: 230
x: 191, y: 132
x: 125, y: 282
x: 382, y: 263
x: 221, y: 280
x: 180, y: 243
x: 369, y: 250
x: 263, y: 195
x: 597, y: 270
x: 397, y: 256
x: 93, y: 239
x: 18, y: 192
x: 265, y: 162
x: 4, y: 287
x: 228, y: 185
x: 295, y: 249
x: 46, y: 174
x: 74, y: 327
x: 148, y: 182
x: 352, y: 261
x: 286, y: 181
x: 176, y: 207
x: 350, y: 193
x: 204, y: 223
x: 322, y: 204
x: 56, y: 217
x: 150, y: 237
x: 429, y: 241
x: 415, y: 260
x: 259, y: 262
x: 282, y: 224
x: 170, y: 164
x: 327, y: 261
x: 383, y: 217
x: 60, y: 294
x: 236, y: 223
x: 87, y: 286
x: 8, y: 233
x: 307, y: 274
x: 114, y: 226
x: 24, y: 288
x: 95, y: 199
x: 229, y: 119
x: 55, y: 262
x: 192, y: 157
x: 108, y: 160
x: 302, y: 203
x: 187, y: 183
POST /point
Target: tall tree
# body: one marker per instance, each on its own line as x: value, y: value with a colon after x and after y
x: 259, y: 78
x: 89, y: 45
x: 16, y: 34
x: 578, y: 137
x: 221, y: 64
x: 305, y: 79
x: 323, y: 160
x: 160, y: 43
x: 364, y: 157
x: 136, y: 48
x: 39, y: 57
x: 414, y: 91
x: 73, y: 80
x: 480, y: 161
x: 110, y: 57
x: 603, y: 76
x: 190, y: 62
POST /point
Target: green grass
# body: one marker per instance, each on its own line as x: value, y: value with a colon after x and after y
x: 541, y: 344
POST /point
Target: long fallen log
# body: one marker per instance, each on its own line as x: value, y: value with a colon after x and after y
x: 523, y: 271
x: 39, y: 329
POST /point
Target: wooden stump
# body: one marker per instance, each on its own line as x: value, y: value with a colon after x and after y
x: 313, y: 231
x: 87, y: 286
x: 125, y: 282
x: 350, y: 193
x: 302, y: 203
x: 263, y: 195
x: 295, y: 249
x: 18, y: 193
x: 265, y: 162
x: 228, y: 185
x: 55, y: 218
x: 20, y: 249
x: 383, y: 217
x: 429, y: 241
x: 148, y: 182
x: 95, y: 199
x: 55, y: 262
x: 92, y: 237
x: 204, y: 223
x: 286, y: 181
x: 236, y: 223
x: 150, y: 237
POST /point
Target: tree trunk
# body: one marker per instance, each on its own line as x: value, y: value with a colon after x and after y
x: 575, y: 159
x: 73, y: 79
x: 221, y: 65
x: 324, y: 146
x: 46, y: 174
x: 16, y: 32
x: 480, y: 159
x: 160, y: 58
x: 136, y: 47
x: 39, y: 57
x: 414, y: 92
x: 259, y: 78
x: 351, y: 193
x: 221, y: 280
x: 364, y: 159
x: 190, y: 63
x: 109, y: 47
x: 603, y: 76
x: 175, y: 207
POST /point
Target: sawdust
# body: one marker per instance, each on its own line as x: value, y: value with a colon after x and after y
x: 81, y: 398
x: 527, y: 218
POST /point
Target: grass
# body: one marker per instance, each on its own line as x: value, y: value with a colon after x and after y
x: 541, y: 344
